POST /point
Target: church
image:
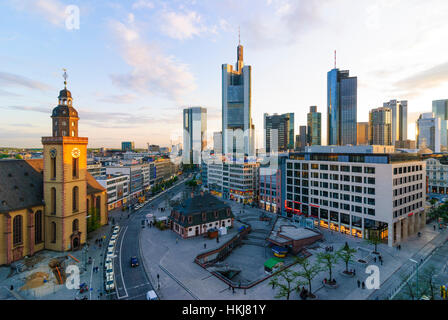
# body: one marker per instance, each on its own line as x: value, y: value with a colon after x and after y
x: 47, y: 204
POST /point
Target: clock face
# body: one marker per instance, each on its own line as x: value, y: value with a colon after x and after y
x: 53, y: 153
x: 76, y: 153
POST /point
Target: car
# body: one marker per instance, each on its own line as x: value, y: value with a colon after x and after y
x: 109, y: 272
x: 108, y: 264
x: 109, y: 277
x: 114, y: 237
x: 134, y: 262
x: 110, y: 253
x: 151, y: 295
x: 116, y: 228
x: 111, y: 244
x: 110, y: 285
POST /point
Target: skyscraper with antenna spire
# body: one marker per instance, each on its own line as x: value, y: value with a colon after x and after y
x: 237, y: 126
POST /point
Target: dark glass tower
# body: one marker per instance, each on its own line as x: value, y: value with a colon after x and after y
x: 342, y: 94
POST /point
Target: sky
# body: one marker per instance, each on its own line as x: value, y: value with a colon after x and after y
x: 133, y: 65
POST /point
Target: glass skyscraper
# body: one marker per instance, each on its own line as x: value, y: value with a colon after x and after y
x: 342, y: 96
x: 399, y: 119
x: 428, y: 132
x: 237, y: 127
x: 284, y: 124
x: 314, y: 123
x: 380, y: 126
x: 195, y: 134
x: 440, y: 110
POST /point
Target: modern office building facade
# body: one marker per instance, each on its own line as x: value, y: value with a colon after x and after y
x: 399, y: 119
x: 380, y: 126
x: 428, y: 132
x: 314, y: 127
x: 437, y: 175
x: 342, y: 96
x: 281, y: 128
x: 358, y: 191
x: 301, y: 139
x: 127, y: 146
x: 195, y: 134
x: 362, y: 133
x: 217, y: 142
x: 440, y: 110
x: 234, y: 181
x: 237, y: 127
x: 117, y: 187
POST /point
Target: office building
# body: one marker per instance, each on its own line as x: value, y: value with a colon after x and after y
x: 195, y: 134
x: 117, y: 187
x: 127, y: 146
x: 237, y: 127
x: 362, y: 133
x: 217, y: 142
x: 359, y: 191
x: 399, y: 119
x: 281, y: 128
x: 342, y: 95
x: 407, y: 144
x: 440, y: 110
x: 301, y: 139
x: 428, y: 132
x: 437, y: 175
x: 314, y: 130
x: 380, y: 126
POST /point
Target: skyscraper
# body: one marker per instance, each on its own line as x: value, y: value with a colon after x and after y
x: 217, y: 142
x: 301, y: 139
x: 127, y: 146
x: 428, y: 132
x: 362, y: 133
x: 195, y: 134
x: 380, y: 126
x: 314, y: 122
x: 236, y: 108
x: 399, y: 119
x: 284, y: 124
x: 342, y: 93
x: 440, y: 110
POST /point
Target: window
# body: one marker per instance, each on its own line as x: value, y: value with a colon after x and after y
x: 53, y: 232
x: 75, y: 199
x: 98, y: 206
x: 369, y: 170
x: 53, y: 201
x: 75, y: 167
x: 38, y: 227
x: 357, y: 169
x: 17, y: 224
x: 53, y: 168
x: 75, y: 225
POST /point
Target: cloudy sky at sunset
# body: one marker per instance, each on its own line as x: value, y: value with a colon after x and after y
x: 134, y: 64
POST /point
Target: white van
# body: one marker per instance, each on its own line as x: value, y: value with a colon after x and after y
x: 151, y: 295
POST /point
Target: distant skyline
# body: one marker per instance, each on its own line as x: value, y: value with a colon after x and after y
x: 134, y: 65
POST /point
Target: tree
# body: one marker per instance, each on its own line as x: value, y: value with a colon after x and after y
x: 346, y: 254
x: 428, y: 276
x: 308, y: 272
x: 374, y: 239
x: 286, y: 282
x: 328, y: 260
x: 409, y: 288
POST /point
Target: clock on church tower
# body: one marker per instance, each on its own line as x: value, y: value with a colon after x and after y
x: 65, y: 180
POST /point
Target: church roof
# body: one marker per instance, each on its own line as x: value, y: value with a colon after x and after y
x: 65, y: 94
x: 64, y: 111
x: 21, y: 184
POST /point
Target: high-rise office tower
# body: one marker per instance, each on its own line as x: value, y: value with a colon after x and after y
x: 237, y: 128
x: 399, y: 119
x: 127, y: 146
x: 380, y: 126
x: 217, y: 142
x: 362, y: 133
x: 440, y: 110
x: 342, y: 96
x: 301, y: 139
x: 428, y: 132
x: 284, y: 124
x: 314, y: 122
x: 195, y: 134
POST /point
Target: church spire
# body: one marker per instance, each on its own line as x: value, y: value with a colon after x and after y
x: 65, y: 76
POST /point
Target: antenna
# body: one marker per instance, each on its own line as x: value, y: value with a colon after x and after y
x: 239, y: 36
x: 335, y: 59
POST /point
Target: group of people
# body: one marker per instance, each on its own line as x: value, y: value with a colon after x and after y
x: 361, y: 284
x: 304, y: 293
x: 380, y: 259
x: 329, y: 249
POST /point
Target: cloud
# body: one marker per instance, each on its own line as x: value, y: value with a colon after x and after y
x: 119, y: 99
x: 142, y: 4
x: 52, y: 11
x: 153, y: 72
x: 14, y: 80
x: 426, y: 79
x: 28, y: 108
x: 182, y: 26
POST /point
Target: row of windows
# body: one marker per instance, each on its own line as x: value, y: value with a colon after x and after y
x: 75, y: 168
x: 332, y: 167
x: 407, y: 199
x: 408, y: 179
x: 408, y: 169
x: 407, y: 209
x: 404, y: 190
x: 334, y: 215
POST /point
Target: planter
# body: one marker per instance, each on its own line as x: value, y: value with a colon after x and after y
x: 362, y: 261
x: 314, y: 297
x: 329, y: 285
x: 347, y: 275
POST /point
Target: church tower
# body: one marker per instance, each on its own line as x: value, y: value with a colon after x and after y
x: 65, y: 178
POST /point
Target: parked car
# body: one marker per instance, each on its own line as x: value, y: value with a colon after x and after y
x: 116, y: 229
x: 108, y: 264
x: 134, y: 262
x: 110, y: 285
x: 110, y: 253
x: 151, y: 295
x: 114, y: 236
x: 109, y: 273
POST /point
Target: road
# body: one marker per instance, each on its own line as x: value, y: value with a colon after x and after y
x: 132, y: 283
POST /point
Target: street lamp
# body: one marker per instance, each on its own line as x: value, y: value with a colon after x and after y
x: 417, y: 275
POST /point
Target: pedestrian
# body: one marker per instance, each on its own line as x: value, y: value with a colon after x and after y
x: 374, y: 259
x: 205, y: 246
x: 233, y: 290
x: 363, y: 285
x: 434, y: 227
x: 381, y: 262
x: 354, y: 272
x: 273, y: 286
x: 359, y: 283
